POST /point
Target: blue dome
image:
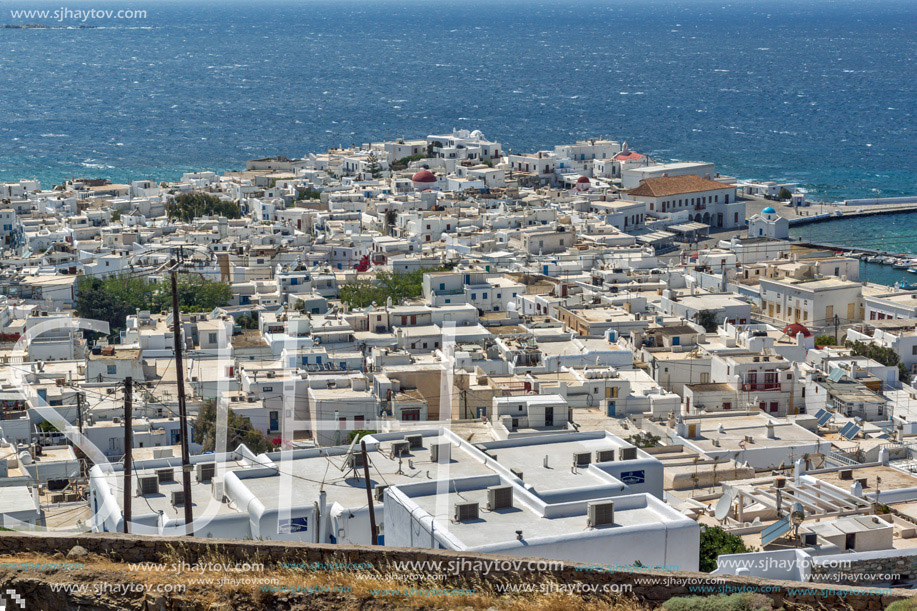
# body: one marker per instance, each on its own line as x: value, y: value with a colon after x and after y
x: 769, y: 210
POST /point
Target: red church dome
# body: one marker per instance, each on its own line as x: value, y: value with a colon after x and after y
x: 794, y: 329
x: 582, y: 180
x: 424, y: 176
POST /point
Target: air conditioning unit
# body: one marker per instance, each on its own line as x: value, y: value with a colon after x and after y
x: 270, y: 374
x: 845, y: 474
x: 809, y: 539
x: 862, y: 481
x: 499, y: 497
x: 147, y: 484
x: 217, y: 489
x: 165, y: 475
x: 441, y: 452
x: 517, y: 473
x: 416, y: 441
x: 401, y: 448
x: 355, y: 460
x: 581, y: 459
x: 627, y: 453
x: 465, y: 512
x: 600, y: 514
x: 116, y: 420
x: 205, y: 471
x: 604, y: 455
x: 379, y: 492
x: 178, y: 498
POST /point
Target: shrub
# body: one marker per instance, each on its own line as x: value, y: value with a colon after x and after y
x: 742, y: 601
x: 714, y: 541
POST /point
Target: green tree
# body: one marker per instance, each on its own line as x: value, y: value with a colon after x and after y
x: 112, y: 298
x: 706, y: 319
x: 825, y: 340
x: 714, y: 542
x: 402, y: 164
x: 399, y: 287
x: 308, y: 194
x: 189, y: 206
x: 375, y: 170
x: 880, y: 354
x: 239, y: 430
x: 247, y: 322
x: 784, y: 194
x: 195, y: 294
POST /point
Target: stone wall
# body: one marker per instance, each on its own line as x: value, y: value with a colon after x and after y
x: 868, y: 572
x: 649, y: 587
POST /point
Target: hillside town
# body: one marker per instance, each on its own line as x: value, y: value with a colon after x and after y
x: 583, y: 354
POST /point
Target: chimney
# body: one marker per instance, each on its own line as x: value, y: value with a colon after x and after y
x: 770, y: 430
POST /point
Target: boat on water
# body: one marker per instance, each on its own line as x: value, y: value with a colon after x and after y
x: 907, y: 286
x: 913, y: 270
x: 902, y: 264
x: 872, y: 259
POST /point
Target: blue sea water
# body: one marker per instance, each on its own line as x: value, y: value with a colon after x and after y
x: 895, y: 234
x: 819, y: 92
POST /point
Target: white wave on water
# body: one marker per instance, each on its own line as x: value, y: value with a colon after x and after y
x: 91, y: 163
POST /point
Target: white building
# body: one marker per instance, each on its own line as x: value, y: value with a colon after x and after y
x: 768, y: 224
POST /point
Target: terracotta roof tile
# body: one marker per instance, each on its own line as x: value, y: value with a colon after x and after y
x: 674, y: 185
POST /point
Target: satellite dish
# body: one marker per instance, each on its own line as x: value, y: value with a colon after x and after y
x: 723, y: 506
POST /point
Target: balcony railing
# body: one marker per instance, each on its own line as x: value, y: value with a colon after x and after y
x: 749, y: 386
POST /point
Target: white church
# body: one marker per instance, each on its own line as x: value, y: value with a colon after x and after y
x: 768, y: 224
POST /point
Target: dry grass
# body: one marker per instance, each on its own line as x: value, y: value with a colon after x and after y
x: 245, y: 596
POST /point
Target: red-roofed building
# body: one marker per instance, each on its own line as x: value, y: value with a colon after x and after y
x: 423, y: 180
x: 690, y: 197
x: 424, y: 176
x: 792, y: 330
x: 615, y: 165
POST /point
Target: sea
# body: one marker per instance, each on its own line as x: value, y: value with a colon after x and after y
x: 892, y: 233
x: 816, y: 92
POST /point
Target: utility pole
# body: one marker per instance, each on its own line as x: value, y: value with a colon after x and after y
x: 128, y: 446
x: 369, y: 494
x: 182, y: 414
x: 79, y: 411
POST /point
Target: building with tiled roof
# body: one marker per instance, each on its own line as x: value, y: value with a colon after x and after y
x: 674, y: 185
x: 690, y: 197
